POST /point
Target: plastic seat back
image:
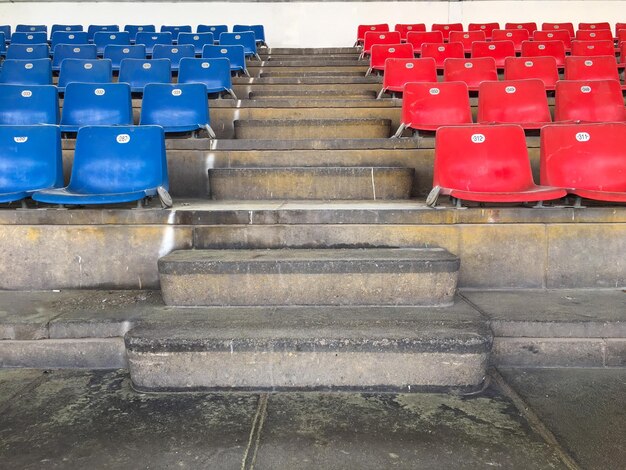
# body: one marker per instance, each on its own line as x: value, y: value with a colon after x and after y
x: 588, y: 159
x: 235, y: 54
x: 3, y: 44
x: 522, y: 102
x: 72, y: 51
x: 518, y: 36
x: 173, y: 53
x: 257, y: 29
x: 470, y: 71
x: 31, y: 28
x: 622, y: 53
x: 554, y: 49
x: 621, y: 36
x: 178, y: 107
x: 399, y: 72
x: 215, y: 29
x: 176, y: 29
x: 594, y: 35
x: 214, y: 74
x: 428, y: 106
x: 619, y: 27
x: 197, y: 40
x: 418, y: 38
x: 65, y: 28
x: 499, y: 50
x: 28, y: 51
x: 30, y: 158
x: 441, y: 52
x: 541, y: 68
x: 102, y: 39
x: 138, y: 73
x: 556, y: 35
x: 245, y: 39
x: 133, y: 29
x: 26, y: 72
x: 599, y: 25
x: 467, y: 38
x: 68, y: 37
x: 569, y: 27
x: 117, y: 53
x: 592, y: 48
x: 446, y: 28
x: 96, y: 104
x: 84, y: 71
x: 486, y: 28
x: 27, y: 105
x: 371, y: 38
x: 92, y: 29
x: 374, y: 28
x: 405, y: 28
x: 382, y: 52
x: 589, y: 101
x: 39, y: 37
x: 531, y: 27
x: 6, y: 29
x: 152, y: 39
x: 591, y: 68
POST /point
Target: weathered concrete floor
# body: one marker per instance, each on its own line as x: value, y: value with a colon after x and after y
x: 93, y: 419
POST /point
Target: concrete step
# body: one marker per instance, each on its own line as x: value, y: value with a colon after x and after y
x: 313, y: 94
x: 297, y: 129
x: 314, y: 73
x: 314, y: 183
x: 348, y: 276
x: 388, y: 348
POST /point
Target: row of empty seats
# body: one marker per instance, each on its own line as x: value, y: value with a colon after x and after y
x: 428, y: 106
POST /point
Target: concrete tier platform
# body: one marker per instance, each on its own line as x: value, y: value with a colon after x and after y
x: 279, y: 129
x: 383, y: 276
x: 308, y: 94
x: 317, y: 183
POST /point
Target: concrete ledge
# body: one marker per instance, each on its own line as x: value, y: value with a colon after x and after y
x: 278, y: 129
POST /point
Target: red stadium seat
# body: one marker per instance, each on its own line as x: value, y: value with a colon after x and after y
x: 499, y: 50
x: 589, y: 101
x: 428, y: 106
x: 589, y: 160
x: 487, y: 164
x: 441, y: 52
x: 486, y: 28
x: 542, y: 68
x: 382, y: 52
x: 446, y: 28
x: 593, y: 48
x: 554, y: 49
x: 622, y: 53
x: 591, y: 68
x: 364, y: 28
x: 471, y: 71
x: 601, y: 25
x: 404, y: 29
x: 467, y: 38
x: 399, y: 72
x: 371, y: 38
x: 530, y: 27
x: 522, y: 102
x: 569, y: 27
x: 417, y: 38
x: 618, y: 28
x: 558, y: 35
x: 621, y: 35
x: 594, y: 34
x: 516, y: 35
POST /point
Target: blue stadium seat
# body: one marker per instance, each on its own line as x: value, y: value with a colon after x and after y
x: 26, y: 72
x: 72, y: 51
x: 102, y: 39
x: 68, y: 37
x: 28, y: 51
x: 3, y: 44
x: 176, y: 107
x: 29, y: 38
x: 28, y: 105
x: 117, y: 53
x: 138, y: 73
x: 31, y: 159
x: 96, y: 28
x: 151, y: 39
x: 257, y: 29
x: 113, y: 165
x: 84, y: 71
x: 66, y: 28
x: 176, y: 29
x: 213, y: 73
x: 245, y: 39
x: 133, y: 29
x: 198, y: 40
x: 6, y: 29
x: 234, y: 54
x: 216, y: 29
x: 96, y: 104
x: 173, y: 53
x: 31, y: 28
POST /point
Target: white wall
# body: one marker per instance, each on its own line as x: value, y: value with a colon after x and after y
x: 311, y: 24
